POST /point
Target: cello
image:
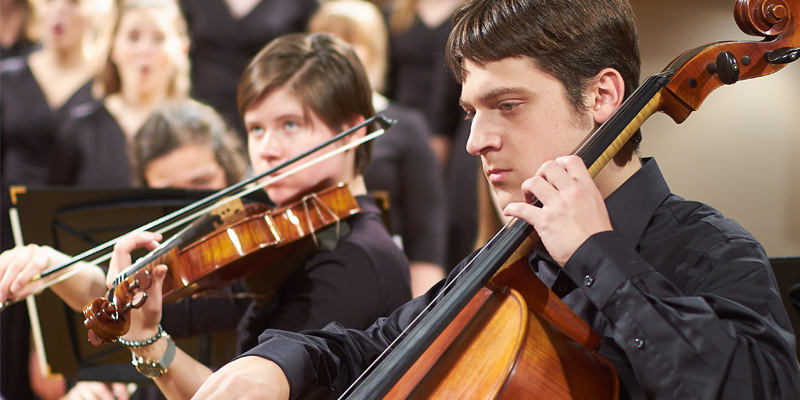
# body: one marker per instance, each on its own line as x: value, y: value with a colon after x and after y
x: 460, y: 349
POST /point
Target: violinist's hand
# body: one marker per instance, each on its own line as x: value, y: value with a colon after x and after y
x: 19, y: 265
x: 144, y: 321
x: 86, y: 390
x: 250, y: 377
x: 573, y: 208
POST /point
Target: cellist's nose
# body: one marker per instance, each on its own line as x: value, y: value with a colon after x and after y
x: 482, y: 137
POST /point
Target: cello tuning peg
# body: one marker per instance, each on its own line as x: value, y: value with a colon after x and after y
x: 784, y: 55
x: 726, y: 67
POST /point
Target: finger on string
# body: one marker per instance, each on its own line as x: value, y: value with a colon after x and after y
x: 576, y: 168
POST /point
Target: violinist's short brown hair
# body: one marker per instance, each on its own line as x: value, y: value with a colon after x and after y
x: 325, y: 74
x: 571, y: 39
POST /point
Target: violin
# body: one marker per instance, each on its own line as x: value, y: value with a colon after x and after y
x: 242, y: 236
x: 202, y: 207
x: 496, y: 331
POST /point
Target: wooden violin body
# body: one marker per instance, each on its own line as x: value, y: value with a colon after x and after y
x: 250, y: 239
x: 235, y: 249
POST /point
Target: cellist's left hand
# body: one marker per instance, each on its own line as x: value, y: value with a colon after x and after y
x: 573, y: 208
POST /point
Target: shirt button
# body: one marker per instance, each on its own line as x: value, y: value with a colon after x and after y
x: 588, y: 280
x: 639, y: 343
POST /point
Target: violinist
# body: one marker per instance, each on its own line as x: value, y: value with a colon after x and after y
x: 298, y: 92
x: 684, y: 299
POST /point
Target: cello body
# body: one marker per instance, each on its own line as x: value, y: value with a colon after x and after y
x: 515, y: 339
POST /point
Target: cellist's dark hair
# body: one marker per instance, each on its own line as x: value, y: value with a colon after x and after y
x: 571, y: 39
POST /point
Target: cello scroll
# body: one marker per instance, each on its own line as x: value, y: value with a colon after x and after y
x: 697, y: 72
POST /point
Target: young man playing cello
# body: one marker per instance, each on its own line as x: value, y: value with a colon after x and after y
x: 683, y: 298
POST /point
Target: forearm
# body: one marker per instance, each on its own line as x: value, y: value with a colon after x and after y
x: 80, y: 289
x: 183, y: 378
x: 423, y: 276
x: 184, y: 375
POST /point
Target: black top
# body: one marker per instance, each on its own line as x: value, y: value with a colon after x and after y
x: 404, y: 166
x: 92, y: 150
x: 684, y: 299
x: 364, y: 277
x: 223, y: 46
x: 418, y: 77
x: 28, y: 127
x: 21, y: 47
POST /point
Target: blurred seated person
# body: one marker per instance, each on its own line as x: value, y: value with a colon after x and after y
x: 17, y: 37
x: 187, y: 144
x: 147, y: 67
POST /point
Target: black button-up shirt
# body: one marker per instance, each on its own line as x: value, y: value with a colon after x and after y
x: 684, y: 299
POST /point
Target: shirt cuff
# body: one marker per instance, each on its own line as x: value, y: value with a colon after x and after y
x: 601, y: 264
x: 284, y: 352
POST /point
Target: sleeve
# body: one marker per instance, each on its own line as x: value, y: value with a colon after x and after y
x: 342, y: 285
x: 723, y: 335
x: 202, y: 315
x: 334, y: 356
x: 424, y: 214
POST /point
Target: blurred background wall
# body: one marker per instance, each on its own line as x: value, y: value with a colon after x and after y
x: 739, y: 151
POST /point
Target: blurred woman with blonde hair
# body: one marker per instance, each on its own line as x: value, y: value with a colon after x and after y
x: 147, y: 66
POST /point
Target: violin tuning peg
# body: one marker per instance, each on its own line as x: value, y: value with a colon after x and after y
x: 784, y: 55
x: 726, y: 67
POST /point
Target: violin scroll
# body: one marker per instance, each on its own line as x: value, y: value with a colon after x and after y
x: 108, y: 320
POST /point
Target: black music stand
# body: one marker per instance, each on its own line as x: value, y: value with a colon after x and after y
x: 75, y: 220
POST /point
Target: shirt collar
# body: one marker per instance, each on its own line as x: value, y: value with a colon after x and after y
x: 633, y: 204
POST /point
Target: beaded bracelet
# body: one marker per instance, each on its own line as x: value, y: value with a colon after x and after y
x: 144, y: 343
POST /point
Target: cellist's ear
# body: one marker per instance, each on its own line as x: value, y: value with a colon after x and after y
x: 606, y: 95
